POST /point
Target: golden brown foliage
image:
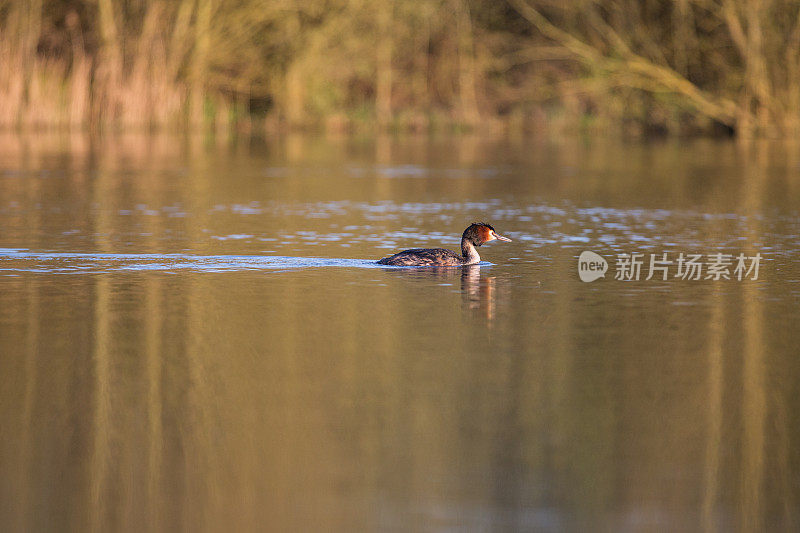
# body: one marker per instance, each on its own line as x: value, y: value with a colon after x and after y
x: 639, y: 65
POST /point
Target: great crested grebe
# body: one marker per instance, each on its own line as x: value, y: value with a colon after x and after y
x: 475, y: 235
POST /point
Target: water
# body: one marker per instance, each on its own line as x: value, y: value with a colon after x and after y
x: 193, y: 336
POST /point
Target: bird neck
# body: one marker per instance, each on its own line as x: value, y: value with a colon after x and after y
x: 469, y: 252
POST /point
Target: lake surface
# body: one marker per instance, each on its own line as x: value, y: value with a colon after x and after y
x: 193, y: 336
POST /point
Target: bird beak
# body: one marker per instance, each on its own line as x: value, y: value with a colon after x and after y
x: 501, y: 238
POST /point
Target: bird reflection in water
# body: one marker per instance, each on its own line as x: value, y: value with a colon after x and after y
x: 477, y: 288
x: 478, y: 291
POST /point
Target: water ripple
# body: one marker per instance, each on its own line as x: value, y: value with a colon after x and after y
x: 20, y: 260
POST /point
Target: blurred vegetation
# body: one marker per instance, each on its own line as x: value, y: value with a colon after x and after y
x: 635, y: 66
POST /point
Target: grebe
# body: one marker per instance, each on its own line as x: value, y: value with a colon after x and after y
x: 475, y: 235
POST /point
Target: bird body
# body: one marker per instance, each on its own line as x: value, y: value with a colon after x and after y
x: 474, y: 236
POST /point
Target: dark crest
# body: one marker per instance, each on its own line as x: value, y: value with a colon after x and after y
x: 483, y: 224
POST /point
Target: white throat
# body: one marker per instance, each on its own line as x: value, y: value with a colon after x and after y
x: 470, y: 253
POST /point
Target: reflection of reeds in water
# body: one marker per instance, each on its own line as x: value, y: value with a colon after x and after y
x: 209, y: 409
x: 102, y: 428
x: 154, y: 304
x: 715, y: 412
x: 754, y: 397
x: 756, y: 490
x: 102, y: 356
x: 24, y: 464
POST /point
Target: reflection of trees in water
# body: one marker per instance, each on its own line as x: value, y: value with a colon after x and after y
x: 159, y: 426
x: 151, y: 428
x: 759, y: 431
